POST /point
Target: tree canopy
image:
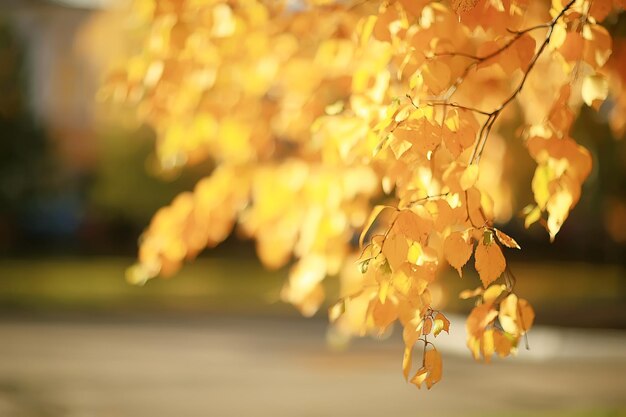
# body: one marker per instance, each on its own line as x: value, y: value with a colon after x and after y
x: 326, y: 122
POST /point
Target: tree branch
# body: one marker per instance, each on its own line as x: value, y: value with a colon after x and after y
x: 485, y: 130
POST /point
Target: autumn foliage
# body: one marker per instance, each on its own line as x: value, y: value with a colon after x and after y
x: 329, y: 120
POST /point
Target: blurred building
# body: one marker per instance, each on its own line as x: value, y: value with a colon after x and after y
x: 62, y: 77
x: 54, y: 56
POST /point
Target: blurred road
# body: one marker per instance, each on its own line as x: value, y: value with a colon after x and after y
x: 220, y: 367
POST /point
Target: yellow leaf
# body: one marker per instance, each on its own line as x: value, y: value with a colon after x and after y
x: 469, y: 177
x: 457, y: 250
x: 303, y: 288
x: 441, y: 324
x: 465, y: 294
x: 473, y: 343
x: 558, y: 207
x: 490, y: 262
x: 398, y: 146
x: 383, y: 314
x: 415, y: 252
x: 436, y: 76
x: 415, y: 224
x: 492, y: 293
x: 336, y: 310
x: 487, y: 345
x: 559, y: 35
x: 595, y: 87
x: 532, y: 216
x: 540, y: 185
x: 508, y: 314
x: 383, y: 291
x: 335, y: 108
x: 407, y: 361
x: 402, y: 279
x: 411, y: 333
x: 419, y: 377
x: 395, y: 249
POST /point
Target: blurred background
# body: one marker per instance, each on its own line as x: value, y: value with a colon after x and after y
x: 77, y: 188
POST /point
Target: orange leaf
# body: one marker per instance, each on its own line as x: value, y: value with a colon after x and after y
x: 430, y: 373
x: 383, y: 314
x: 480, y: 317
x: 395, y: 249
x: 525, y: 315
x: 441, y: 324
x: 490, y: 262
x: 502, y: 343
x: 433, y: 363
x: 419, y: 377
x: 428, y: 326
x: 457, y: 250
x: 415, y: 225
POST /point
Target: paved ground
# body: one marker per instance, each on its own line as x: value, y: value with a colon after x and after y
x: 220, y: 367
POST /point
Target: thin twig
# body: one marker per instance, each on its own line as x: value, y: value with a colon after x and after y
x: 521, y: 84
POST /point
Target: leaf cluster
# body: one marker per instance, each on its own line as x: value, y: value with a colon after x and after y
x: 314, y: 113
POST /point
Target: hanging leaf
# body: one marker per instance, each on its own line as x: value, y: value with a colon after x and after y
x: 506, y: 240
x: 490, y: 262
x: 457, y: 250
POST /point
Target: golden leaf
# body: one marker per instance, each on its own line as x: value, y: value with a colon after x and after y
x: 415, y: 224
x: 507, y: 315
x: 419, y: 377
x: 303, y: 288
x: 595, y: 87
x: 457, y: 250
x: 526, y: 315
x: 469, y: 177
x: 431, y: 372
x: 395, y: 249
x: 479, y: 318
x: 492, y: 293
x: 466, y: 294
x: 441, y: 324
x: 306, y: 120
x: 407, y: 361
x: 336, y: 310
x: 487, y: 346
x: 412, y: 332
x: 433, y: 364
x: 383, y: 314
x: 532, y: 216
x: 502, y: 344
x: 490, y: 262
